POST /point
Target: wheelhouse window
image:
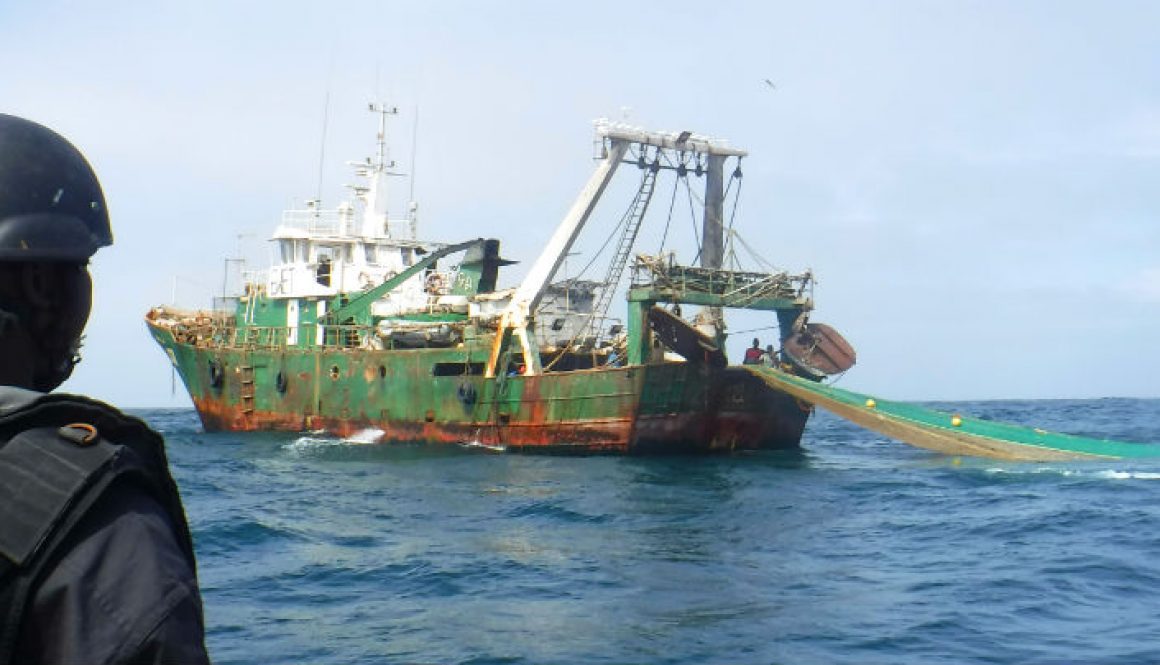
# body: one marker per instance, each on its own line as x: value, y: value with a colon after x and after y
x: 325, y: 260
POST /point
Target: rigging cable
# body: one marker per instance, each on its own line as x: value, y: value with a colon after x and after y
x: 669, y: 219
x: 693, y: 217
x: 647, y: 173
x: 729, y: 185
x: 737, y: 196
x: 632, y: 219
x: 595, y: 256
x: 611, y: 235
x: 731, y: 252
x: 749, y: 330
x: 765, y: 265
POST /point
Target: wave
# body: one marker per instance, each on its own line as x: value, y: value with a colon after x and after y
x: 1108, y: 474
x: 499, y: 448
x: 315, y: 441
x: 364, y: 436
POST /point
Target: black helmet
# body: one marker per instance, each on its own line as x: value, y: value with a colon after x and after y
x: 51, y: 205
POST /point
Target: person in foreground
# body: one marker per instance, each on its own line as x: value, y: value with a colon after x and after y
x: 96, y: 559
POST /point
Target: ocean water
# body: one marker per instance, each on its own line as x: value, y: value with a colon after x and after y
x: 854, y: 549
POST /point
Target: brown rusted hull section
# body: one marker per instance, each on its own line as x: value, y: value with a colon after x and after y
x: 776, y: 423
x: 647, y: 409
x: 674, y: 433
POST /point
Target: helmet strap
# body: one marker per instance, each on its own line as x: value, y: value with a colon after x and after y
x: 30, y: 327
x: 8, y: 322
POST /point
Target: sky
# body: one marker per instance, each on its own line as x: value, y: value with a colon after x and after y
x: 974, y: 184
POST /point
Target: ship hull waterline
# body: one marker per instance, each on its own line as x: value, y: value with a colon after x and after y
x: 408, y: 397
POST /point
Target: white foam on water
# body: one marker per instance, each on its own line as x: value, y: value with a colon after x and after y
x: 1022, y: 472
x: 499, y: 448
x: 1109, y: 474
x: 309, y: 442
x: 1129, y: 475
x: 313, y: 440
x: 364, y: 436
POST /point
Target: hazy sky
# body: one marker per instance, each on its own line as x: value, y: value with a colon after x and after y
x: 974, y: 183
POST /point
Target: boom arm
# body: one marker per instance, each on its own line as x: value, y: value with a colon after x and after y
x: 366, y: 298
x: 517, y: 317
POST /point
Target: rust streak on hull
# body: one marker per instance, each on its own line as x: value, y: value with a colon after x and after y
x: 770, y: 420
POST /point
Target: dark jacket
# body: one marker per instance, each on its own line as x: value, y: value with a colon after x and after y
x: 109, y: 574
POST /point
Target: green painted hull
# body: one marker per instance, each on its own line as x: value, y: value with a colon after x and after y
x: 434, y: 395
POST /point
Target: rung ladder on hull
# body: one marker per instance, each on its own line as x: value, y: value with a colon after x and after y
x: 247, y: 388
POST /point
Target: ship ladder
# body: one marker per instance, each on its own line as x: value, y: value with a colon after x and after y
x: 632, y: 220
x: 247, y: 388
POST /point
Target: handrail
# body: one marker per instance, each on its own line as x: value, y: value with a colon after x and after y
x: 727, y: 283
x: 337, y: 223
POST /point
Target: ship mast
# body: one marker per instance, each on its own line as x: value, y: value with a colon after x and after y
x: 712, y: 229
x: 376, y: 172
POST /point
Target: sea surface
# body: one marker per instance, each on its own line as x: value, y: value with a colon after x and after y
x: 855, y: 549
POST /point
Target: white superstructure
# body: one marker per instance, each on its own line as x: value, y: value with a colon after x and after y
x: 323, y: 253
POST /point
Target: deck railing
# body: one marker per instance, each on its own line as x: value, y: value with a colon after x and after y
x: 338, y: 223
x: 734, y: 286
x: 215, y: 333
x: 319, y: 222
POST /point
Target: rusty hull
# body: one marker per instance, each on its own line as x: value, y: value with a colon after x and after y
x: 673, y: 407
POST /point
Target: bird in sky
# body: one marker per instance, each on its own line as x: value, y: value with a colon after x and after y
x: 770, y: 84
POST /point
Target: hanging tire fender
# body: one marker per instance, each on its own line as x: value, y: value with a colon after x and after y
x: 467, y: 394
x: 217, y: 375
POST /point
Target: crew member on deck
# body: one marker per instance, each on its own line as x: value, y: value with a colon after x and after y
x: 322, y: 272
x: 753, y: 353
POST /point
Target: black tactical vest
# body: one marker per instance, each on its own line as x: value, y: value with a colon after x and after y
x: 58, y: 455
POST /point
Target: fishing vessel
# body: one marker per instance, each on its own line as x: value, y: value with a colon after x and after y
x: 360, y: 325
